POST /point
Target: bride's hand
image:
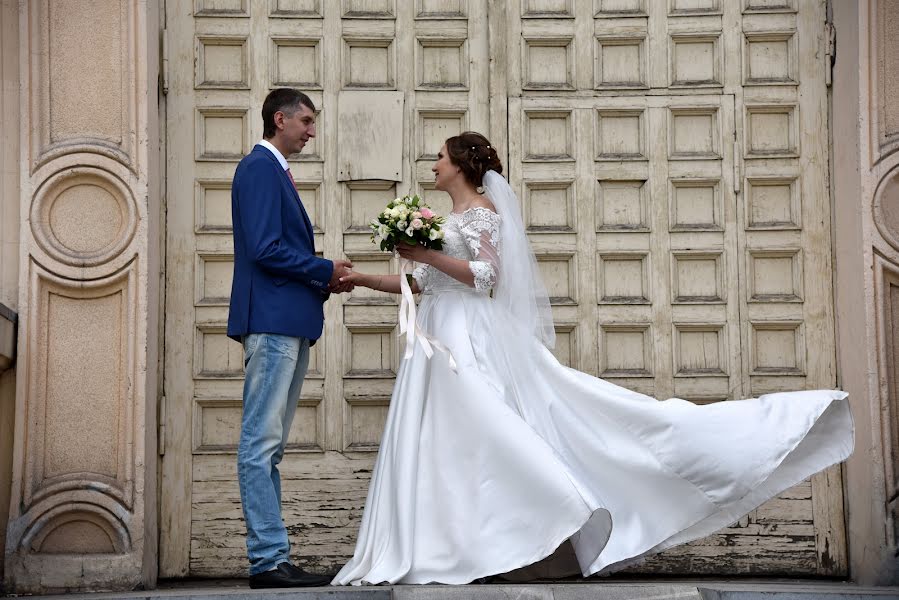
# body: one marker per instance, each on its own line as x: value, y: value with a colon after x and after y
x: 417, y: 253
x: 354, y: 278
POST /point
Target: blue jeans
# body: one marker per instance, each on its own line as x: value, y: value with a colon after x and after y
x: 275, y: 367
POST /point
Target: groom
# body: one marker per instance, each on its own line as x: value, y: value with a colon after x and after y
x: 277, y: 293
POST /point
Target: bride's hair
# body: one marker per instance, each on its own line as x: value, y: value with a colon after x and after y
x: 472, y: 152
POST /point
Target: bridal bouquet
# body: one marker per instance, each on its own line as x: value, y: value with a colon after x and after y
x: 407, y: 220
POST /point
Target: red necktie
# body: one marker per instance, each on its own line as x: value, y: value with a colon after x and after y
x: 292, y: 180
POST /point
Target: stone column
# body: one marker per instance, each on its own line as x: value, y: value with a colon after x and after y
x: 9, y: 241
x: 83, y: 499
x: 866, y: 221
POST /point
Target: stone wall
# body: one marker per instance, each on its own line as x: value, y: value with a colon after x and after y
x: 9, y: 232
x: 865, y: 168
x: 83, y: 490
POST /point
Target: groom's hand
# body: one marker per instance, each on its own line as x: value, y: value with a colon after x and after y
x: 341, y: 288
x: 341, y: 269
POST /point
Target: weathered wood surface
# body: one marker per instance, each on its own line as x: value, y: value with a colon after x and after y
x: 778, y: 538
x: 323, y: 500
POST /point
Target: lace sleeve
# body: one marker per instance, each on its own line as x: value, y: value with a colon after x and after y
x: 421, y: 275
x: 480, y: 228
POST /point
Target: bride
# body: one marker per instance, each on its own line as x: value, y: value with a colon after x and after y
x: 494, y: 453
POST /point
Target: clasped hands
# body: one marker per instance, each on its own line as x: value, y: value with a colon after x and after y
x: 416, y: 253
x: 342, y: 268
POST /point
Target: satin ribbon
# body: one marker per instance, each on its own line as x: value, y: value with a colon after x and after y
x: 409, y: 326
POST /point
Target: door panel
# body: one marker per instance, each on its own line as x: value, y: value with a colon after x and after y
x: 223, y: 60
x: 674, y: 183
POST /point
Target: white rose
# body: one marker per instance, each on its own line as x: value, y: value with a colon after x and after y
x: 416, y: 223
x: 401, y: 224
x: 416, y: 215
x: 434, y: 234
x: 410, y: 231
x: 383, y: 231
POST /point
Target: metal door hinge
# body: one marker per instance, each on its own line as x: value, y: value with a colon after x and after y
x: 161, y: 426
x: 830, y: 56
x: 737, y: 156
x: 164, y: 62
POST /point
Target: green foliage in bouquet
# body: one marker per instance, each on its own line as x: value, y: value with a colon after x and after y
x: 407, y: 220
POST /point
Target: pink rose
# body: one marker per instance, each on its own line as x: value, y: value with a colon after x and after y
x: 426, y: 213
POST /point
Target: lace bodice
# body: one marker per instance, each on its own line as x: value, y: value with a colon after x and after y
x: 472, y: 235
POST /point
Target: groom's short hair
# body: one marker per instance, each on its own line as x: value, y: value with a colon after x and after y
x: 288, y: 101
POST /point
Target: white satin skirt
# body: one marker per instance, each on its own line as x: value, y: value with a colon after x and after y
x: 491, y: 468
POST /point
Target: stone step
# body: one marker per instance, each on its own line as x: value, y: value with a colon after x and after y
x: 793, y: 590
x: 575, y: 591
x: 811, y: 591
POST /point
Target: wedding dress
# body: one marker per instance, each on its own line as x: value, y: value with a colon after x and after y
x: 492, y: 465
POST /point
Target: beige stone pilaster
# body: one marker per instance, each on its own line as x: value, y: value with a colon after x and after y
x: 82, y: 513
x: 9, y: 153
x: 865, y: 117
x: 9, y: 242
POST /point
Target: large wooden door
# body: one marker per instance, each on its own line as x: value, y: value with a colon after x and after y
x: 671, y: 158
x: 223, y: 58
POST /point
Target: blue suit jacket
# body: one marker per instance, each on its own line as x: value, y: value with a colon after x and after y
x: 279, y: 285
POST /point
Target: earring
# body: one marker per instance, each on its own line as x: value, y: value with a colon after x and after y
x: 479, y: 189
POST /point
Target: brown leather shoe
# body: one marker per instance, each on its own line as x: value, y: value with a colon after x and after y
x: 287, y: 575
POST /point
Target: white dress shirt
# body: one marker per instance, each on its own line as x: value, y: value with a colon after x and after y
x: 276, y: 152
